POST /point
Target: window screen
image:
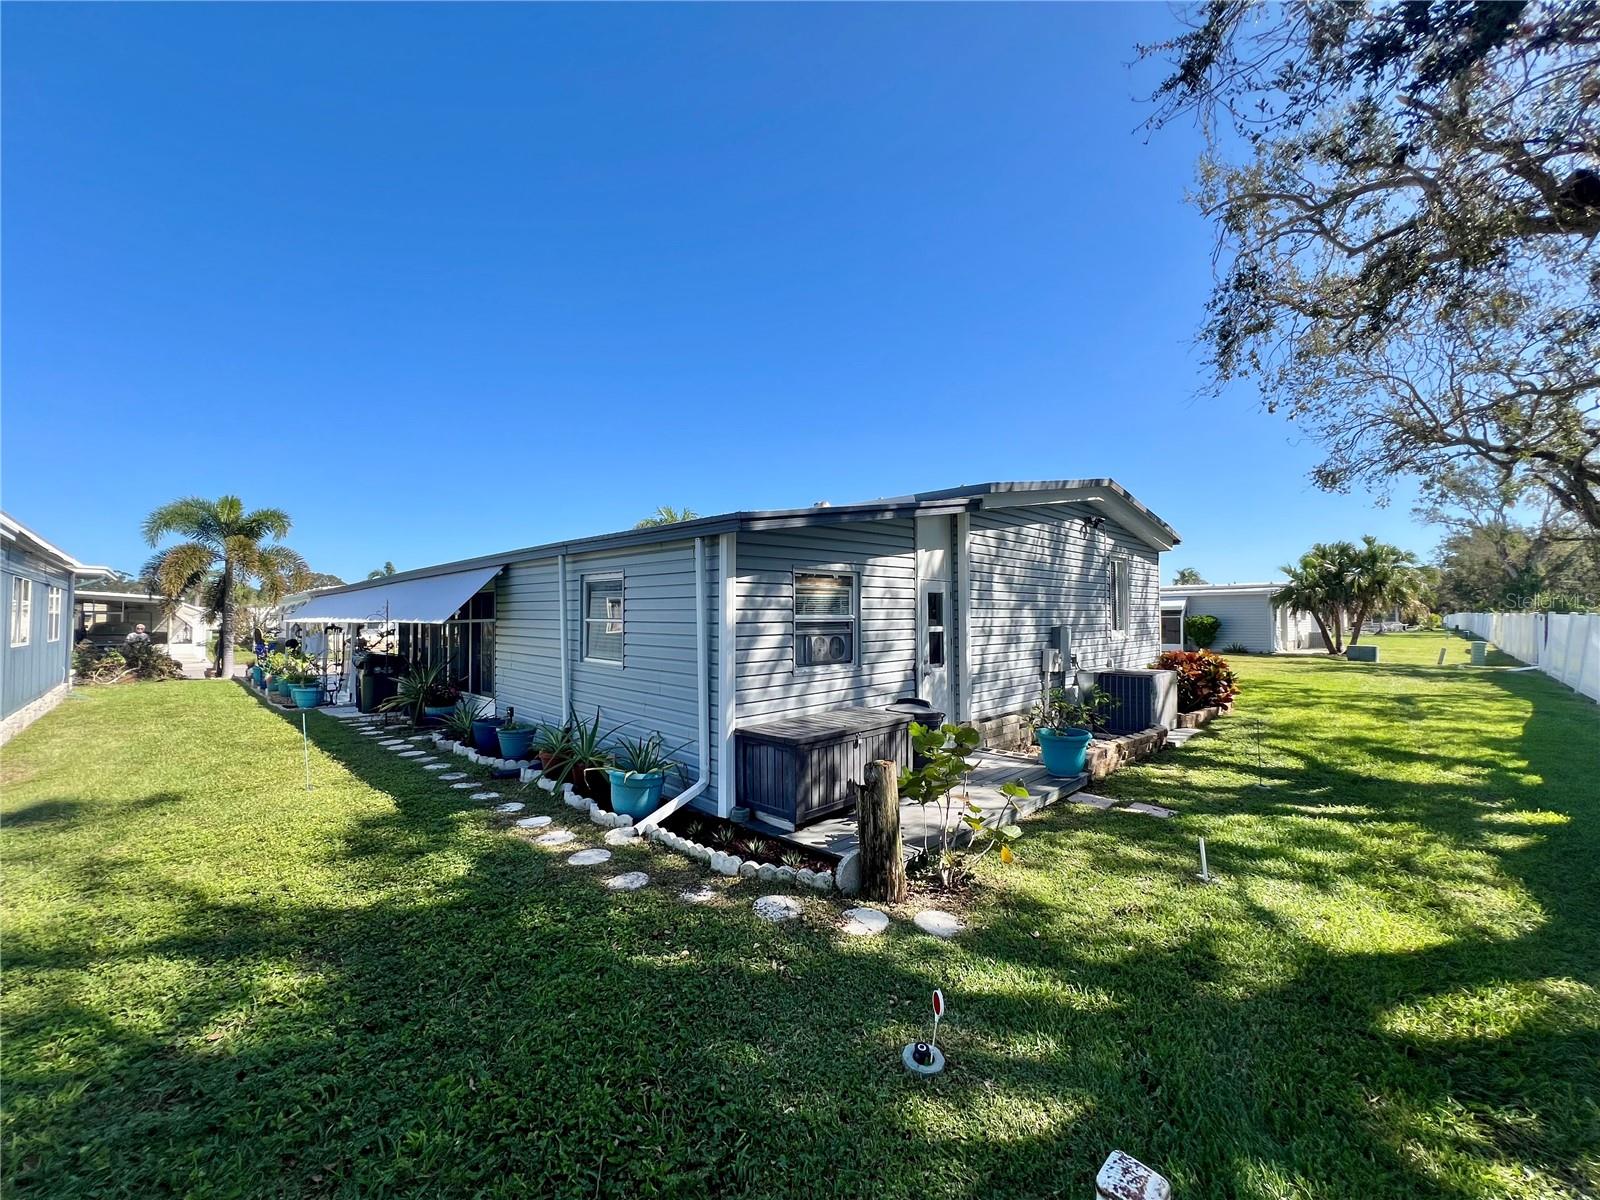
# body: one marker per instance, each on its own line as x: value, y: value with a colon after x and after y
x: 602, y: 619
x: 824, y: 618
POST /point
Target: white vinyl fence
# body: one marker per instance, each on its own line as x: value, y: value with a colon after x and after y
x: 1565, y: 646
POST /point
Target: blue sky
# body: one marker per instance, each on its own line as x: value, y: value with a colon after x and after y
x: 446, y: 280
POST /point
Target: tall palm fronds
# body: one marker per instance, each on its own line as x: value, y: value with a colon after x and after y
x: 667, y: 515
x: 223, y: 552
x: 1341, y: 584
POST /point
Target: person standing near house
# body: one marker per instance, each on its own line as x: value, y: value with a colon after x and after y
x: 139, y: 637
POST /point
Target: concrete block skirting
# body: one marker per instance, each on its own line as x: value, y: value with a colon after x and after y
x: 32, y: 711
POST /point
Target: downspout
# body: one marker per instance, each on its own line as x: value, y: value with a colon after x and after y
x: 702, y: 659
x: 561, y: 626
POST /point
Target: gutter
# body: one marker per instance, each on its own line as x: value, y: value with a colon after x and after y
x: 702, y: 645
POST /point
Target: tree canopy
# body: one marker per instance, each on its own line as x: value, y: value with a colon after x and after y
x: 1406, y: 200
x: 1340, y: 585
x: 1187, y: 576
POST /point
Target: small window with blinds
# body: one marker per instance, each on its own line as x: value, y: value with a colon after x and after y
x: 824, y: 618
x: 602, y: 618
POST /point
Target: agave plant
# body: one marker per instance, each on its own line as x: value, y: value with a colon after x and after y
x: 646, y: 756
x: 459, y: 723
x: 586, y: 747
x: 418, y: 688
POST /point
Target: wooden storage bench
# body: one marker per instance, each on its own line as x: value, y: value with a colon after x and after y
x: 795, y: 770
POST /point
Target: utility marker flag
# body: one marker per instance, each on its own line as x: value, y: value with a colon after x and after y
x: 938, y: 1011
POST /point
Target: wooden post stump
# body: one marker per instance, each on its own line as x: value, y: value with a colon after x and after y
x: 883, y: 866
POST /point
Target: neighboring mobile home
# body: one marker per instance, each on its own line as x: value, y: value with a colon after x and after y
x: 106, y: 610
x: 700, y: 628
x: 1247, y: 616
x: 36, y: 579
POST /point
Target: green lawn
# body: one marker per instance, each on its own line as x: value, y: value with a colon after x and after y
x: 217, y: 984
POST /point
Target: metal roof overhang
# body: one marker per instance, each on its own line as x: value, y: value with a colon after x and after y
x: 431, y: 600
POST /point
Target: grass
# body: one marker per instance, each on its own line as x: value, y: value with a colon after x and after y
x: 218, y: 984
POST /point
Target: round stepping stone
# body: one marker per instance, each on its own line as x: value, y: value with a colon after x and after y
x: 461, y: 787
x: 510, y: 806
x: 556, y: 837
x: 453, y: 775
x: 940, y: 924
x: 621, y: 837
x: 629, y: 881
x: 486, y: 795
x: 437, y: 766
x: 391, y: 743
x: 865, y: 922
x: 411, y: 754
x: 589, y: 858
x: 777, y: 908
x: 532, y: 822
x: 698, y: 895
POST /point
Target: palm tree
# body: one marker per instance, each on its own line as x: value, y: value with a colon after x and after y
x: 1385, y: 577
x: 222, y: 538
x: 1320, y: 585
x: 667, y: 515
x: 1187, y: 576
x: 387, y: 569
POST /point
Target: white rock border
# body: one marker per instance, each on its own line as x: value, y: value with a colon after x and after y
x: 731, y: 865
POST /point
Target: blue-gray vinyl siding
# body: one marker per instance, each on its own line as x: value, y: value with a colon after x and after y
x: 1034, y: 568
x: 1248, y: 620
x: 28, y: 672
x: 882, y: 554
x: 654, y: 688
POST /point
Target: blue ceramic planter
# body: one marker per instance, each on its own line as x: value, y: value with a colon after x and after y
x: 257, y: 676
x: 305, y: 697
x: 437, y: 713
x: 281, y: 687
x: 635, y: 795
x: 514, y: 743
x: 1063, y: 751
x: 485, y: 732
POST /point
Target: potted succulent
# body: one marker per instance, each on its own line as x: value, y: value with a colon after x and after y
x: 421, y: 693
x: 515, y: 738
x: 553, y: 745
x: 588, y: 759
x: 458, y: 724
x: 640, y: 771
x: 1064, y: 725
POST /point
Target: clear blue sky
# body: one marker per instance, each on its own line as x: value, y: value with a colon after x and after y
x: 448, y: 280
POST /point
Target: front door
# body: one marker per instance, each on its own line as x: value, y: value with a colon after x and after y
x: 934, y: 655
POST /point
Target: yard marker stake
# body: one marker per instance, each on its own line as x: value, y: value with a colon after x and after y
x: 305, y: 743
x: 1205, y: 872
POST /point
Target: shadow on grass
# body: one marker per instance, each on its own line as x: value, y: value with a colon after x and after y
x: 475, y: 1018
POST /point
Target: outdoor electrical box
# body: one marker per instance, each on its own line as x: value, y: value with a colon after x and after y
x: 1050, y: 661
x: 1064, y: 648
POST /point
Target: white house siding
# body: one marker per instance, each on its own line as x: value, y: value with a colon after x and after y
x: 883, y: 555
x: 1246, y: 618
x: 654, y: 688
x: 1034, y: 568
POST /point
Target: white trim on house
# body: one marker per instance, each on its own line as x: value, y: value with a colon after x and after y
x: 727, y: 667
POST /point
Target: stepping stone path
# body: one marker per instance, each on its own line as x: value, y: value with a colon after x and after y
x: 1149, y: 810
x: 510, y: 806
x: 461, y: 787
x: 411, y: 754
x: 1100, y: 802
x: 621, y: 837
x: 391, y: 743
x: 865, y: 922
x: 556, y: 837
x: 777, y: 908
x: 437, y: 766
x: 486, y: 795
x: 940, y: 924
x: 630, y: 881
x: 589, y: 858
x: 698, y: 895
x: 453, y: 775
x: 533, y: 822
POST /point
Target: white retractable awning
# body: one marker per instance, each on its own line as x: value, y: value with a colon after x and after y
x: 431, y: 600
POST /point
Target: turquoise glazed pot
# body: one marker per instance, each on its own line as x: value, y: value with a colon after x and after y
x: 439, y: 713
x: 515, y: 743
x: 635, y: 795
x: 257, y: 676
x: 305, y: 697
x: 1064, y: 751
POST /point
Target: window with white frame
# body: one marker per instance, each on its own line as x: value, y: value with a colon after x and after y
x: 1118, y: 590
x: 52, y: 614
x: 21, y: 610
x: 602, y: 618
x: 824, y: 618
